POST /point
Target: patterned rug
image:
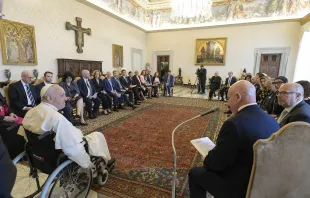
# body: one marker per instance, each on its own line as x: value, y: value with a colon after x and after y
x: 140, y: 141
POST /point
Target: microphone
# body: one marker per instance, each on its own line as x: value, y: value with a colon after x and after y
x: 174, y: 174
x: 210, y: 111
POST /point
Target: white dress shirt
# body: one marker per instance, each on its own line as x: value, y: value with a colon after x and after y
x: 45, y: 117
x: 244, y: 106
x: 25, y: 88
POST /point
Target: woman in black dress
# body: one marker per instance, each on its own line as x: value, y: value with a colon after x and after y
x: 102, y: 94
x: 73, y: 95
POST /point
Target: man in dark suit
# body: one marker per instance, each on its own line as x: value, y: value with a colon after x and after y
x: 227, y: 167
x: 121, y: 88
x: 48, y: 78
x: 136, y: 81
x: 202, y: 75
x: 7, y: 172
x: 87, y: 90
x: 291, y: 97
x: 229, y: 82
x: 123, y: 91
x: 215, y: 83
x: 127, y: 84
x: 23, y: 95
x: 110, y: 88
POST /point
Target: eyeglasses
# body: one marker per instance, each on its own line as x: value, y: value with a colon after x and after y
x: 279, y: 82
x: 284, y: 93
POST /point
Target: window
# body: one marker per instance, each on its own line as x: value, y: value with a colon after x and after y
x: 302, y: 69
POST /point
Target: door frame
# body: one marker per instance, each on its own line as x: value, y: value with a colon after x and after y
x: 139, y: 51
x: 284, y: 51
x: 162, y: 53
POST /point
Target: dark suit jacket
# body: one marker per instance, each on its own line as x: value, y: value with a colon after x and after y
x: 98, y: 86
x: 107, y: 85
x: 232, y: 157
x: 149, y: 79
x: 7, y: 172
x: 38, y: 88
x: 308, y: 101
x: 83, y: 87
x: 233, y: 81
x: 18, y: 97
x: 125, y: 83
x: 202, y: 73
x: 135, y: 81
x: 300, y: 112
x: 216, y: 82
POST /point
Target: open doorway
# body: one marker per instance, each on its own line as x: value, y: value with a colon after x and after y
x: 162, y: 65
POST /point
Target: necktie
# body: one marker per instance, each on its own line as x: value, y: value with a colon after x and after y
x: 229, y: 80
x: 282, y: 116
x: 111, y: 84
x: 88, y: 85
x: 33, y: 102
x: 150, y: 79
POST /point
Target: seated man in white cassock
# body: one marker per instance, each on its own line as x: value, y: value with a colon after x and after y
x: 45, y: 117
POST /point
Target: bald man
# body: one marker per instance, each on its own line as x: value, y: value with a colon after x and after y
x: 227, y: 167
x: 291, y: 97
x: 23, y: 95
x: 215, y: 83
x: 45, y: 118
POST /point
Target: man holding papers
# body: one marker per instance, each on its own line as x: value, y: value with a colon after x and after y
x: 227, y: 167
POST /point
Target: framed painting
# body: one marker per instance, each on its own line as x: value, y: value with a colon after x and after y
x: 210, y: 51
x: 117, y: 56
x: 18, y: 43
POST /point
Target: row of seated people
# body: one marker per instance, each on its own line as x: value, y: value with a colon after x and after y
x: 227, y: 167
x: 110, y: 92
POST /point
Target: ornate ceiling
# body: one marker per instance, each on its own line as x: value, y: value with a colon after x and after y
x: 153, y: 15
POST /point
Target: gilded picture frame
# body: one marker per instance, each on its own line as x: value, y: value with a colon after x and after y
x: 18, y: 43
x: 211, y: 51
x: 117, y: 56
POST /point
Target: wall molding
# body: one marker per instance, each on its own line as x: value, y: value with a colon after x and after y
x: 305, y: 19
x: 284, y: 51
x: 138, y: 51
x: 162, y: 53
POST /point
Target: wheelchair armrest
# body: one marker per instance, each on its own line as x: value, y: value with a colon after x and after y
x: 85, y: 145
x: 40, y: 137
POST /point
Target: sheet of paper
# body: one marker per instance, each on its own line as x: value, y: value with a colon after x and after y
x: 95, y: 95
x: 203, y: 145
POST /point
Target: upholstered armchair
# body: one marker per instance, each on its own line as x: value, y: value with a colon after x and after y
x: 281, y: 164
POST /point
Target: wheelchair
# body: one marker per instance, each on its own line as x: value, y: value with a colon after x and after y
x: 43, y: 171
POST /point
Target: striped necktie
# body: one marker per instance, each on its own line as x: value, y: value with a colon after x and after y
x: 33, y: 102
x: 282, y: 116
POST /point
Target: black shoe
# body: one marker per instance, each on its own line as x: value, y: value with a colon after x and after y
x: 120, y: 107
x: 133, y: 107
x: 115, y: 109
x: 91, y: 117
x: 94, y: 114
x: 137, y: 103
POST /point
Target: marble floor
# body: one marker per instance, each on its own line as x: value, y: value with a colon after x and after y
x: 187, y: 92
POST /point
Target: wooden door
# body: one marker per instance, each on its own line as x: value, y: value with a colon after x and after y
x: 270, y: 64
x: 162, y: 65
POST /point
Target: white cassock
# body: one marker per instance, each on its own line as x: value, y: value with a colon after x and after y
x: 45, y: 117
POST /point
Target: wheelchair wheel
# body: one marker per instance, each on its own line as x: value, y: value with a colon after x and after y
x: 28, y: 179
x: 102, y: 177
x: 71, y: 181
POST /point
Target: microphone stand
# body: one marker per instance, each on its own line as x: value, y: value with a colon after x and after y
x: 174, y: 178
x: 175, y: 156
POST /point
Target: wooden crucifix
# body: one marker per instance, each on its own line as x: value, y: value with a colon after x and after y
x: 79, y: 33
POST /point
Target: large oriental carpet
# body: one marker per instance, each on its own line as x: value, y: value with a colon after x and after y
x: 141, y: 143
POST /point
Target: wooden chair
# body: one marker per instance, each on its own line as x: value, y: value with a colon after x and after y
x: 281, y: 164
x: 38, y: 81
x: 59, y: 80
x: 6, y: 92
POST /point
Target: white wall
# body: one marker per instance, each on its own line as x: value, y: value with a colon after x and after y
x: 241, y: 42
x: 54, y: 41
